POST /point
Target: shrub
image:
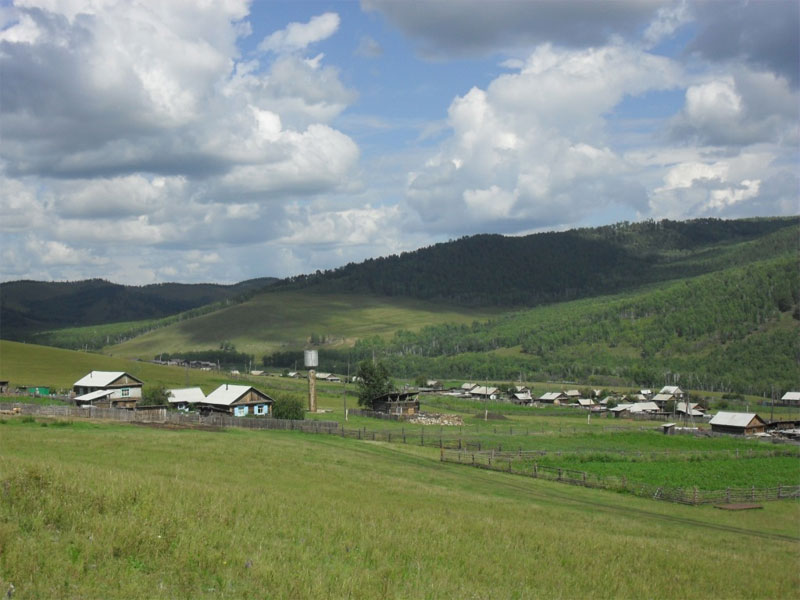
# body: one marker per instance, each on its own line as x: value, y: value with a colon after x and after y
x: 288, y: 407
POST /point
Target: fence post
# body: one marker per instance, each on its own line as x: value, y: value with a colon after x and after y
x: 728, y: 495
x: 535, y: 471
x: 441, y: 455
x: 559, y: 474
x: 422, y: 436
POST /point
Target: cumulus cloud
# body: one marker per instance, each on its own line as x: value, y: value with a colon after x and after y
x: 130, y: 125
x: 531, y: 150
x: 298, y: 36
x: 741, y: 109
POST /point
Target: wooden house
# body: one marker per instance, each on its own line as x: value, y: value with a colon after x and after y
x: 236, y: 400
x: 572, y: 395
x: 522, y: 398
x: 484, y: 392
x: 126, y: 390
x: 553, y: 397
x: 737, y: 423
x: 3, y: 386
x: 396, y: 403
x: 328, y: 377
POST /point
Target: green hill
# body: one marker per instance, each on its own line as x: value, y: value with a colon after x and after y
x: 495, y: 270
x: 28, y: 307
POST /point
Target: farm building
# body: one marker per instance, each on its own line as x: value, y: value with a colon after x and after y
x: 125, y: 389
x: 586, y: 403
x: 737, y: 423
x: 521, y: 397
x: 485, y: 393
x: 99, y: 398
x: 434, y: 384
x: 3, y: 386
x: 467, y: 387
x: 184, y: 398
x: 237, y: 400
x: 553, y: 397
x: 328, y: 377
x: 694, y: 407
x: 791, y: 398
x: 635, y: 408
x: 396, y: 403
x: 572, y: 394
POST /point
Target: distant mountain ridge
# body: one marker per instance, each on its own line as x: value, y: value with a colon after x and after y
x: 27, y: 307
x: 496, y: 270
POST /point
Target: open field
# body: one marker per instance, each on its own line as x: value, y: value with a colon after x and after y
x: 126, y: 512
x: 286, y: 320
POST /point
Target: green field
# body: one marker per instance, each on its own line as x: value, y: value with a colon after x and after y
x: 104, y: 511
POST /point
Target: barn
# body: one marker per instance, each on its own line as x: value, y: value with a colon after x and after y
x: 737, y: 423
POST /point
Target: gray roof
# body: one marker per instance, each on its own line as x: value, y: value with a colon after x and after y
x: 793, y: 396
x: 101, y: 378
x: 227, y: 394
x: 94, y: 395
x: 733, y: 419
x: 193, y: 394
x: 551, y: 396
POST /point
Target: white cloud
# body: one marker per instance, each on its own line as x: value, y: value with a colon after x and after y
x: 531, y: 149
x: 298, y: 36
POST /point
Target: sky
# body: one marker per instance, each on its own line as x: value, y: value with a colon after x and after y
x: 221, y: 140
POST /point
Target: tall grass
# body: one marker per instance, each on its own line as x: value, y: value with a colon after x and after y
x: 121, y: 512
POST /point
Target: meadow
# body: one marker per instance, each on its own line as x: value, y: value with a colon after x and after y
x: 98, y: 510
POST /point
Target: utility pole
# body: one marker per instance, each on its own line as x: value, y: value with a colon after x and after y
x: 344, y: 394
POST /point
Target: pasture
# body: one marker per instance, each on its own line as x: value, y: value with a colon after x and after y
x: 98, y: 510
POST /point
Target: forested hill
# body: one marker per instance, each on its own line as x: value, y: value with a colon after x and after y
x: 27, y: 307
x: 551, y: 267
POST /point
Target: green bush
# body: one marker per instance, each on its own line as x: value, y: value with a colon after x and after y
x: 288, y: 407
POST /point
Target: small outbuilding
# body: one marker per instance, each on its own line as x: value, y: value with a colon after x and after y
x: 737, y: 423
x: 396, y: 403
x: 791, y: 398
x: 185, y: 398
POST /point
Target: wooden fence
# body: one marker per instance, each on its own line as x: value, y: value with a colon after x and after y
x: 507, y: 462
x: 164, y: 416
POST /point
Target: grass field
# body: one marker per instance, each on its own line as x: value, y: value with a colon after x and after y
x: 286, y: 320
x: 95, y: 511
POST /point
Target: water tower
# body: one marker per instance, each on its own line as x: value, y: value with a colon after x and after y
x: 311, y: 360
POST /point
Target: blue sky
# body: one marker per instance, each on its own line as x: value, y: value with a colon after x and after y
x: 171, y: 141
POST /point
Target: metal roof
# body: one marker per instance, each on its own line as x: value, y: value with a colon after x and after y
x: 732, y: 419
x: 671, y: 389
x: 663, y: 397
x: 795, y: 396
x: 193, y: 394
x: 94, y: 395
x: 227, y: 394
x: 101, y: 378
x: 551, y: 396
x: 481, y: 390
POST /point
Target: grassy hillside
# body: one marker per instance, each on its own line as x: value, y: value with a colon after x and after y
x: 29, y: 364
x: 271, y: 322
x: 240, y: 514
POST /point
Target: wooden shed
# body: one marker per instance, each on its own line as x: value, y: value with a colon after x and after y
x: 737, y: 423
x: 396, y: 403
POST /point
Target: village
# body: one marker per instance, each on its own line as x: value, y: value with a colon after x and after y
x: 671, y: 404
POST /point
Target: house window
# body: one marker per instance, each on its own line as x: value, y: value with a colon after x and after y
x: 240, y: 411
x: 125, y: 392
x: 259, y: 409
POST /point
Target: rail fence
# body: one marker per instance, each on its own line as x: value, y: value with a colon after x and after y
x: 508, y: 463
